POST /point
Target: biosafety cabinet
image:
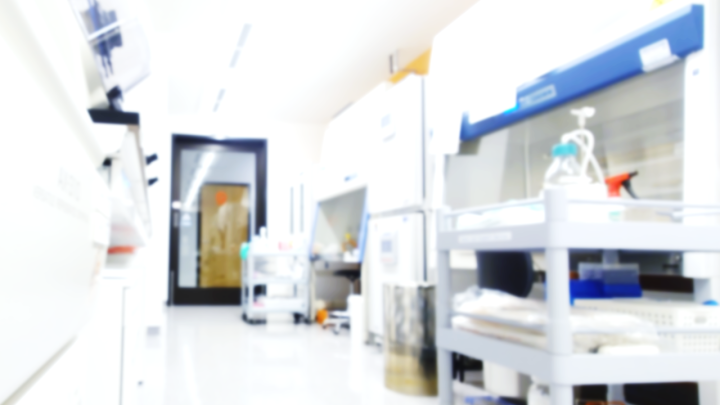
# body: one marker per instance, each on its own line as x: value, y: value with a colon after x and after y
x: 396, y: 246
x: 653, y: 92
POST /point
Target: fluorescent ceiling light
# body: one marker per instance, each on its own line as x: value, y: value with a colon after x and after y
x: 237, y: 52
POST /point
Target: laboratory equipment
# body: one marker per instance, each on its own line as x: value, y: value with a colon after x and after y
x: 564, y: 170
x: 338, y: 243
x: 397, y: 175
x: 347, y: 149
x: 119, y: 46
x: 409, y: 340
x: 266, y: 264
x: 397, y: 197
x: 633, y: 361
x: 124, y: 171
x: 618, y: 181
x: 395, y: 255
x: 56, y: 212
x: 644, y: 121
x: 606, y: 280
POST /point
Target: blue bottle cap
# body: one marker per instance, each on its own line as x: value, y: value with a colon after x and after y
x: 564, y: 149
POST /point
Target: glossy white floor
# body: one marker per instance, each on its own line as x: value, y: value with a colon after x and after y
x: 208, y: 356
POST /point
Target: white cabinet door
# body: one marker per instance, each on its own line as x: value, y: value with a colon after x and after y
x: 397, y: 256
x: 396, y: 172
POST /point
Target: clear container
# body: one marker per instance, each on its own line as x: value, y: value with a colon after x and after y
x: 565, y: 169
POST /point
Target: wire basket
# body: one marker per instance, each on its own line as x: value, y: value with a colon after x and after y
x: 669, y: 314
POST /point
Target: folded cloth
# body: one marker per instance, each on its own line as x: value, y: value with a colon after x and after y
x: 524, y: 321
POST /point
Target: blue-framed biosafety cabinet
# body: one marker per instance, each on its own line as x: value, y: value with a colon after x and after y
x: 656, y: 92
x: 661, y: 43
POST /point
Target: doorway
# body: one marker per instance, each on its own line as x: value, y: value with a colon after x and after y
x: 218, y: 201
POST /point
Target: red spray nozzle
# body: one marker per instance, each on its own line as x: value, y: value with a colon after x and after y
x: 621, y: 180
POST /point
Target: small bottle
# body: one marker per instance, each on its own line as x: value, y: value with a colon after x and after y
x: 564, y: 170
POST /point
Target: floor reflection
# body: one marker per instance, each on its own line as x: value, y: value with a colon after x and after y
x: 208, y: 356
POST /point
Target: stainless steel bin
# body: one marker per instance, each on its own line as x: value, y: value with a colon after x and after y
x: 409, y: 344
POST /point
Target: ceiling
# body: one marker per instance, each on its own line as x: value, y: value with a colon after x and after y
x: 303, y: 61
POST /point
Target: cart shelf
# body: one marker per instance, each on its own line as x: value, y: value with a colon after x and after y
x: 642, y: 236
x: 298, y: 305
x: 556, y: 235
x: 577, y: 369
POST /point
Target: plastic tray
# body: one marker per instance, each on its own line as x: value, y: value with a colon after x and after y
x: 669, y: 314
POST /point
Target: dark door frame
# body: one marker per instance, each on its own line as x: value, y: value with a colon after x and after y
x: 211, y: 296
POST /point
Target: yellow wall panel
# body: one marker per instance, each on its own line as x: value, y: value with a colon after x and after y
x: 420, y: 66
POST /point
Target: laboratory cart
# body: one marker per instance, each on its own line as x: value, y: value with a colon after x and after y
x: 557, y: 236
x: 653, y: 90
x: 264, y: 266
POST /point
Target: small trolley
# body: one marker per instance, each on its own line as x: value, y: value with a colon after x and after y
x: 264, y: 266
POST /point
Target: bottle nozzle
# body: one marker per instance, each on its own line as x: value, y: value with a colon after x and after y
x: 614, y: 184
x: 583, y: 114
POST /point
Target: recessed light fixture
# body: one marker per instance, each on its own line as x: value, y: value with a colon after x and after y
x: 237, y: 52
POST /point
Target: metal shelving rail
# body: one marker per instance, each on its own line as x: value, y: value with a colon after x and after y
x: 557, y: 236
x: 298, y: 305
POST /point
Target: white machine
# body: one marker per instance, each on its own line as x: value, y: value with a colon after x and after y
x: 55, y: 211
x: 338, y: 230
x: 397, y: 172
x: 114, y: 338
x: 67, y: 333
x: 395, y: 255
x: 397, y: 231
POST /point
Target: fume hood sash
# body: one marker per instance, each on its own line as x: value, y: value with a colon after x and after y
x: 665, y: 40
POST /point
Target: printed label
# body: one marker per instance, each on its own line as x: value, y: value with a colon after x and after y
x: 656, y: 55
x: 538, y: 96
